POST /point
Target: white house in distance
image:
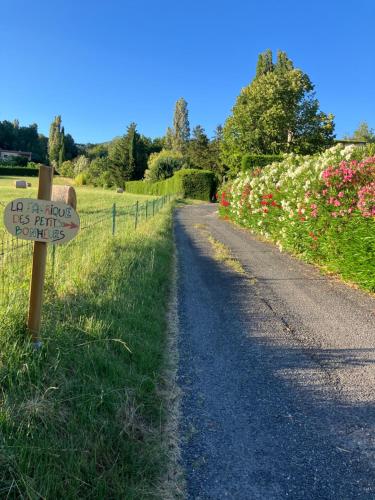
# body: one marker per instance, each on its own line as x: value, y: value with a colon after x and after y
x: 5, y: 154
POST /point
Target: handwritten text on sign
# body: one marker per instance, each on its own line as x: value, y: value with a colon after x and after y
x: 40, y: 220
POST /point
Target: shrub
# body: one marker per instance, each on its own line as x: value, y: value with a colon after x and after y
x: 321, y: 207
x: 163, y: 165
x: 67, y: 169
x: 81, y: 179
x: 14, y: 161
x: 188, y: 183
x: 19, y: 171
x: 197, y: 184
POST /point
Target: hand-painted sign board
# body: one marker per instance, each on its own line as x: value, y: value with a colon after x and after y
x: 40, y: 220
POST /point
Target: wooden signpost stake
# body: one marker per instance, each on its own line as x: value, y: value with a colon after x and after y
x: 39, y: 262
x: 42, y: 221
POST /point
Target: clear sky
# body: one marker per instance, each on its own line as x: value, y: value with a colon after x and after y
x: 102, y: 64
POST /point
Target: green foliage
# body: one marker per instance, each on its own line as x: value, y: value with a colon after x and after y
x: 81, y: 179
x: 181, y: 128
x: 100, y: 173
x: 70, y: 147
x: 198, y: 148
x: 277, y: 112
x: 14, y: 161
x: 163, y: 165
x: 197, y: 184
x: 321, y: 207
x: 264, y: 64
x: 67, y: 169
x: 363, y: 133
x: 16, y: 138
x: 168, y: 139
x: 128, y: 156
x: 93, y: 151
x: 19, y: 171
x: 81, y: 164
x: 56, y: 142
x: 249, y: 161
x: 188, y: 183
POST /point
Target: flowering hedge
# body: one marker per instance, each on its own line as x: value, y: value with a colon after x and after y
x: 321, y: 206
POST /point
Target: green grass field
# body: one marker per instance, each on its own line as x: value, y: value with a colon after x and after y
x: 83, y: 416
x: 90, y: 199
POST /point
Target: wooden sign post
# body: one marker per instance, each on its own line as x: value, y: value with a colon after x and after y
x: 39, y: 262
x: 42, y: 221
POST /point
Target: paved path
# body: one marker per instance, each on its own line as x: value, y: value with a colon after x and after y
x: 277, y: 370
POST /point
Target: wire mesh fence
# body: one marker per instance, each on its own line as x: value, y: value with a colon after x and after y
x: 98, y: 224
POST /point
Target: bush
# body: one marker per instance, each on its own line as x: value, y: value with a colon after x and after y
x: 188, y: 183
x: 321, y: 207
x: 163, y: 165
x: 67, y: 169
x: 250, y: 161
x: 81, y: 179
x: 14, y: 161
x: 197, y: 184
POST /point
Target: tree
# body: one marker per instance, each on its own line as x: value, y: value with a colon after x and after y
x: 70, y: 147
x: 163, y: 165
x: 181, y: 129
x: 198, y: 148
x: 62, y: 147
x: 128, y: 156
x: 283, y: 63
x: 168, y: 139
x: 363, y: 133
x: 264, y: 64
x: 277, y: 112
x: 55, y: 141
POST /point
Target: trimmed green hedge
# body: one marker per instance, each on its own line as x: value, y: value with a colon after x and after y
x: 19, y: 171
x: 250, y: 161
x: 188, y: 183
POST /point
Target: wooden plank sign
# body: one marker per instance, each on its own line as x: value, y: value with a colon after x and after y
x: 41, y: 220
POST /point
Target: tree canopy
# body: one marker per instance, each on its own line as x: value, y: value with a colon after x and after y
x: 277, y: 112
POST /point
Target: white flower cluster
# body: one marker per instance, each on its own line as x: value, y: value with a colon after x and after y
x: 283, y: 187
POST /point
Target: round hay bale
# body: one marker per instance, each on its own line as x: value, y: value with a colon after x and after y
x: 21, y: 184
x: 120, y: 190
x: 67, y: 194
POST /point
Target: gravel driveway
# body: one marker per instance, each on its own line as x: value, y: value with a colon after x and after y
x: 277, y: 370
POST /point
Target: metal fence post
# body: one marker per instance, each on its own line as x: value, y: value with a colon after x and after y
x: 136, y: 216
x: 146, y: 208
x: 113, y: 219
x: 153, y: 207
x: 53, y: 262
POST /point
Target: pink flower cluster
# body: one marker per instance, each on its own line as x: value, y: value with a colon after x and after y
x: 366, y: 200
x: 352, y: 172
x: 350, y: 186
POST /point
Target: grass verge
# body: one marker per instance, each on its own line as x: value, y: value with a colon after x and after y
x: 221, y: 252
x: 83, y: 417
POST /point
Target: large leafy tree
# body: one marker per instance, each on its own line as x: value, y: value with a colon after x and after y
x: 277, y: 112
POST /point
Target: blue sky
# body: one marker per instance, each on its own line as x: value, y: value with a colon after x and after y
x: 102, y: 64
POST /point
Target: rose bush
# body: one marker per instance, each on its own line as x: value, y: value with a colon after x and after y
x: 321, y: 207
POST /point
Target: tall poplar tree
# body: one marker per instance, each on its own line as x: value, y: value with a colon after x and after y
x: 181, y: 128
x: 54, y: 141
